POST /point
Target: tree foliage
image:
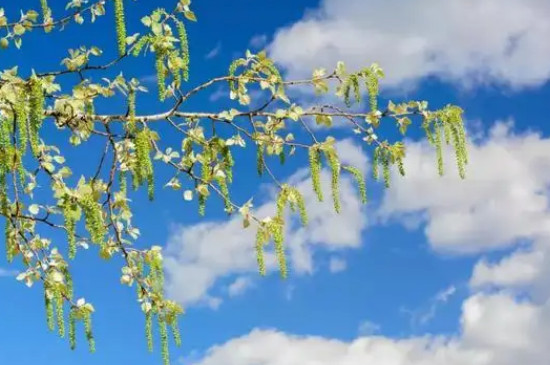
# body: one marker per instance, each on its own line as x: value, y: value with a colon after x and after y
x: 95, y: 209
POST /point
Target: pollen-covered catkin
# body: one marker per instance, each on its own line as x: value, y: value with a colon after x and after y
x: 335, y: 167
x: 89, y: 332
x: 184, y: 45
x: 262, y: 237
x: 36, y: 112
x: 371, y: 82
x: 176, y: 332
x: 149, y: 330
x: 144, y: 164
x: 49, y: 311
x: 161, y: 74
x: 439, y: 149
x: 93, y: 214
x: 72, y: 329
x: 70, y: 225
x: 120, y: 24
x: 60, y: 315
x: 260, y: 160
x: 131, y: 110
x: 315, y: 170
x: 358, y: 176
x: 277, y: 232
x: 164, y: 341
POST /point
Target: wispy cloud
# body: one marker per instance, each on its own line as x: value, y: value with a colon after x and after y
x: 214, y: 51
x: 258, y: 41
x: 7, y: 273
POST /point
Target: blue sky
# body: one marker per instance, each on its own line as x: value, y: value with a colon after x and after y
x: 434, y: 271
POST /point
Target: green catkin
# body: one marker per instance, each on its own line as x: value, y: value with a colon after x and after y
x: 373, y: 88
x: 301, y: 205
x: 49, y: 312
x: 334, y: 164
x: 150, y: 187
x: 282, y: 198
x: 164, y: 341
x: 157, y: 273
x: 229, y: 163
x: 149, y: 330
x: 356, y: 91
x: 138, y: 46
x: 276, y: 229
x: 261, y: 239
x: 21, y: 116
x: 4, y: 147
x: 460, y: 159
x: 70, y: 225
x: 386, y: 170
x: 439, y: 149
x: 72, y: 329
x: 172, y: 57
x: 315, y: 170
x: 282, y: 158
x: 122, y: 182
x: 428, y: 131
x: 161, y: 74
x: 10, y: 242
x: 358, y: 176
x: 144, y: 165
x: 3, y: 192
x: 225, y: 193
x: 462, y: 133
x: 46, y: 13
x: 447, y: 129
x: 375, y: 163
x: 89, y: 108
x: 135, y: 181
x: 69, y: 283
x: 93, y: 218
x: 21, y: 171
x: 36, y: 113
x: 345, y: 89
x: 400, y: 166
x: 184, y: 45
x: 120, y: 24
x: 89, y: 332
x: 260, y: 162
x: 60, y: 315
x: 202, y: 205
x: 206, y: 173
x: 139, y: 267
x: 131, y: 110
x: 176, y: 332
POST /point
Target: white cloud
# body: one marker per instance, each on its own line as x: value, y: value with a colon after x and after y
x: 368, y: 328
x: 258, y: 41
x: 239, y: 286
x: 465, y: 41
x: 214, y: 52
x: 507, y: 189
x: 503, y: 199
x: 495, y: 330
x: 337, y: 265
x: 197, y: 256
x: 6, y: 272
x: 518, y: 269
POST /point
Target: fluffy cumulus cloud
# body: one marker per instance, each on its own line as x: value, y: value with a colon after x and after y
x: 467, y: 41
x: 496, y: 330
x: 504, y: 198
x: 198, y: 256
x: 503, y: 201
